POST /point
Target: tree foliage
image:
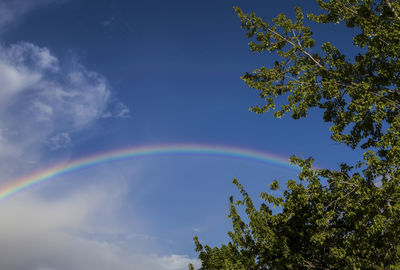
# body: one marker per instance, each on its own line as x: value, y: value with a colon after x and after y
x: 330, y: 219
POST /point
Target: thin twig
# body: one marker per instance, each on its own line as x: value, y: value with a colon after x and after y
x: 313, y: 266
x: 341, y: 198
x: 300, y: 48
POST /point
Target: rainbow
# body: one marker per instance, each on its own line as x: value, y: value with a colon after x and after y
x: 40, y: 176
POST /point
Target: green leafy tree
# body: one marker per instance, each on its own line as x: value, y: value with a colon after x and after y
x: 330, y: 219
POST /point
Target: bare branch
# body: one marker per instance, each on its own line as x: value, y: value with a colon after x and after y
x: 300, y: 47
x: 313, y: 266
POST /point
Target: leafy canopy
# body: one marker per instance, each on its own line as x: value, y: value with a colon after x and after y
x: 330, y: 219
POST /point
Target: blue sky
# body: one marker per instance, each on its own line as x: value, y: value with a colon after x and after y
x: 81, y: 77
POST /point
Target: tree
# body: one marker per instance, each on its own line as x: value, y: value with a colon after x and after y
x: 331, y: 219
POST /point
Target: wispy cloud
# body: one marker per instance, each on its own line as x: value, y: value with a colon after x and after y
x: 108, y: 22
x: 117, y: 110
x: 11, y: 10
x: 61, y: 140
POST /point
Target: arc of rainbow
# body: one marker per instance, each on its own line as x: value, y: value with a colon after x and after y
x: 40, y: 176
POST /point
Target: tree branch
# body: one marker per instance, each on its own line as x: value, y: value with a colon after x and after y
x: 313, y: 266
x: 300, y: 48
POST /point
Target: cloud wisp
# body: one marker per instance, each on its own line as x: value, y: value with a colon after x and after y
x: 12, y: 10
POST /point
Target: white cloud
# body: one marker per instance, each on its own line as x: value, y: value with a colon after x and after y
x: 32, y: 79
x: 24, y: 54
x: 177, y: 262
x: 22, y: 66
x: 39, y: 233
x: 46, y: 104
x: 79, y: 100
